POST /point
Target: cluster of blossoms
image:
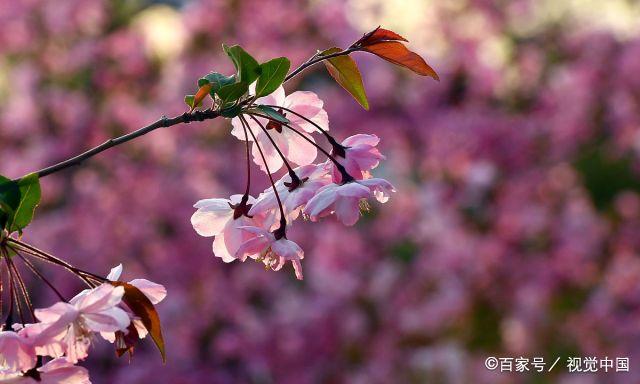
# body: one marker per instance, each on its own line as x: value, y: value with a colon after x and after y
x: 63, y: 332
x: 248, y: 227
x: 278, y: 133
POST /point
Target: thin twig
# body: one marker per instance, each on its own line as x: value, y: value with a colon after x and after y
x: 316, y: 59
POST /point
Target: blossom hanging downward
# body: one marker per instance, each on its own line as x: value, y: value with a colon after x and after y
x: 66, y: 328
x: 277, y: 130
x: 358, y: 154
x: 313, y: 177
x: 136, y: 330
x: 223, y: 219
x: 273, y: 252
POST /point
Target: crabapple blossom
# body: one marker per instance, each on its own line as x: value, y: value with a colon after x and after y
x: 312, y: 178
x: 358, y: 154
x: 153, y: 291
x: 272, y: 251
x: 276, y: 131
x: 56, y: 371
x: 294, y: 147
x: 17, y: 353
x: 345, y: 200
x: 70, y: 325
x: 223, y: 218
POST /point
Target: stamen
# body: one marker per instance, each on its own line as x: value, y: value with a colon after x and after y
x: 364, y: 206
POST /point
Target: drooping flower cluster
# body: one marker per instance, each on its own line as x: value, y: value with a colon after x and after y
x: 244, y: 226
x: 64, y: 332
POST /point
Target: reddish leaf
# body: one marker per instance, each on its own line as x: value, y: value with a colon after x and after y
x: 126, y: 343
x: 200, y: 95
x: 345, y: 71
x: 142, y: 307
x: 379, y: 34
x: 396, y: 53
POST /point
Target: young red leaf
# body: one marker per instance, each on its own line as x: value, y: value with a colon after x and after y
x: 380, y: 34
x: 396, y: 53
x: 200, y: 95
x: 144, y: 309
x: 345, y: 71
x: 126, y: 342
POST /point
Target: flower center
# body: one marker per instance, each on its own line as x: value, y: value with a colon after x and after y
x: 275, y: 124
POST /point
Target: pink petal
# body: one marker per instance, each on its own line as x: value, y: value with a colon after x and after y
x: 287, y: 249
x: 115, y: 273
x: 154, y: 292
x: 321, y: 201
x: 238, y: 131
x: 16, y: 352
x: 55, y: 312
x: 108, y: 320
x: 297, y: 267
x: 300, y: 151
x: 252, y: 246
x: 361, y: 138
x: 274, y: 161
x: 60, y: 371
x: 103, y: 297
x: 210, y: 222
x: 348, y: 210
x: 220, y: 249
x: 354, y: 190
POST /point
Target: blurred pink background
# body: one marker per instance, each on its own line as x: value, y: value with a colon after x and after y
x: 515, y: 230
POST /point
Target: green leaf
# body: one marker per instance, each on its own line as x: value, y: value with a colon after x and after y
x: 202, y: 81
x: 29, y: 187
x: 218, y: 80
x: 9, y: 200
x: 272, y: 113
x: 247, y: 67
x: 232, y: 92
x: 231, y: 112
x: 272, y: 75
x: 188, y: 99
x: 345, y: 71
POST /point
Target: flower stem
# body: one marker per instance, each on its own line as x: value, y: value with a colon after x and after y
x: 346, y: 177
x: 337, y: 147
x: 294, y: 178
x: 283, y: 220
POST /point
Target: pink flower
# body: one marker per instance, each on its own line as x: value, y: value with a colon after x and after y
x: 345, y: 200
x: 57, y: 371
x: 360, y: 156
x: 313, y: 177
x: 292, y: 145
x: 153, y: 291
x: 272, y: 252
x: 222, y: 218
x: 16, y: 352
x: 66, y: 328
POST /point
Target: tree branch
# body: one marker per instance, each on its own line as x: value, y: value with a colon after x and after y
x: 163, y: 122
